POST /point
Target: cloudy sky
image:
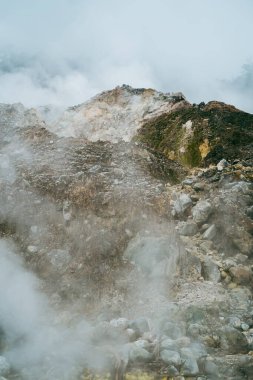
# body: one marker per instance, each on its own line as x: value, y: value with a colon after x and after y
x: 62, y: 52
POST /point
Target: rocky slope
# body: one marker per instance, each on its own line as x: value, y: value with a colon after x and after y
x: 135, y: 212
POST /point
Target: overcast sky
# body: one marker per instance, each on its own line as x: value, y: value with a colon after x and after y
x: 64, y: 51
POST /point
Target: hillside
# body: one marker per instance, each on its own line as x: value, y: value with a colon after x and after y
x: 126, y: 239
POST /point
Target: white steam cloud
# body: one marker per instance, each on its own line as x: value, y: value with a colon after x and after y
x: 33, y: 341
x: 38, y: 346
x: 62, y: 53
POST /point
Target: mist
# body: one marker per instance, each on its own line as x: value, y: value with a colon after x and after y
x: 45, y: 331
x: 62, y: 53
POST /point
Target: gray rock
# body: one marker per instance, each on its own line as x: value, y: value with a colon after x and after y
x: 172, y: 330
x: 240, y: 258
x: 240, y: 187
x: 232, y: 341
x: 207, y: 246
x: 242, y: 296
x: 139, y: 354
x: 172, y: 371
x: 243, y: 241
x: 195, y: 350
x: 4, y: 366
x: 171, y: 357
x: 235, y: 322
x: 190, y: 356
x: 210, y: 233
x: 244, y: 326
x: 204, y: 227
x: 140, y: 325
x: 146, y: 252
x: 211, y: 369
x: 142, y: 343
x: 188, y: 228
x: 199, y: 186
x: 229, y: 263
x: 184, y: 341
x: 168, y: 344
x: 210, y: 270
x: 241, y: 275
x: 189, y: 181
x: 194, y: 330
x: 201, y: 212
x: 190, y: 367
x: 132, y: 335
x: 182, y: 204
x: 249, y: 212
x: 249, y: 337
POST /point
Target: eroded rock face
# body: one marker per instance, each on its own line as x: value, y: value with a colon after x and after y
x: 115, y: 115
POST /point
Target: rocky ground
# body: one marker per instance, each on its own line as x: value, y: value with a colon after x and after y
x: 147, y: 240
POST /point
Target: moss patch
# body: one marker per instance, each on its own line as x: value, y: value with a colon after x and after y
x: 217, y: 131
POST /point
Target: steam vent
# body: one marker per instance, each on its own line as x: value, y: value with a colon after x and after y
x: 126, y: 240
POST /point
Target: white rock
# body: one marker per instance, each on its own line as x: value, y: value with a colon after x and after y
x: 222, y: 164
x: 120, y: 322
x: 210, y: 233
x: 114, y: 115
x: 32, y: 249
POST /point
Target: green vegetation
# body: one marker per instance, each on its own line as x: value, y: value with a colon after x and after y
x: 214, y: 131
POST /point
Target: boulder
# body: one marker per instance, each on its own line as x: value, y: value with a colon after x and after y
x: 168, y: 344
x: 190, y: 367
x: 140, y: 325
x: 139, y: 354
x: 210, y: 233
x: 232, y: 341
x: 201, y: 212
x: 142, y: 343
x: 241, y: 275
x: 243, y: 241
x: 189, y: 228
x: 182, y: 204
x: 210, y: 270
x: 199, y: 186
x: 171, y: 357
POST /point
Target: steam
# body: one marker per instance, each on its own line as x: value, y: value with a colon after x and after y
x: 239, y: 90
x: 42, y: 342
x: 90, y: 47
x: 34, y: 341
x: 38, y: 344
